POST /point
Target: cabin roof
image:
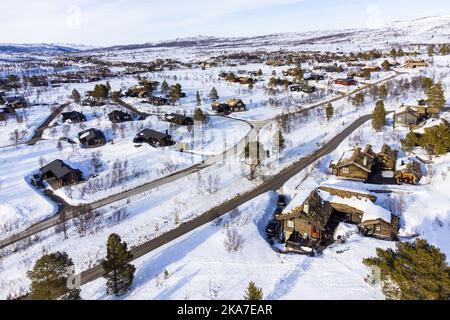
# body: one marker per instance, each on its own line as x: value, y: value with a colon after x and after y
x: 152, y: 134
x: 58, y: 168
x: 90, y: 134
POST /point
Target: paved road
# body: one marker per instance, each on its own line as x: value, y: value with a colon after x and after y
x: 38, y: 132
x: 274, y: 183
x: 67, y: 212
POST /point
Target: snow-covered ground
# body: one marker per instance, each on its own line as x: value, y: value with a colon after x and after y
x: 198, y: 263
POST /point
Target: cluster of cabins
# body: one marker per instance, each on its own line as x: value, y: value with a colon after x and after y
x: 311, y: 219
x: 240, y: 79
x: 383, y: 167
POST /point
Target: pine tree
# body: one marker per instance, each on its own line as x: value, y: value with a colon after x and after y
x: 298, y: 74
x: 358, y: 99
x: 199, y: 115
x: 393, y: 53
x: 115, y: 96
x: 386, y: 65
x: 260, y: 73
x: 410, y: 142
x: 165, y: 87
x: 49, y: 277
x: 436, y: 140
x: 175, y: 92
x: 383, y: 92
x: 329, y: 111
x: 413, y: 271
x: 281, y: 141
x: 272, y: 82
x: 426, y: 83
x: 214, y: 95
x: 119, y: 273
x: 430, y: 50
x: 198, y: 99
x: 253, y: 293
x: 379, y: 116
x: 108, y: 85
x: 436, y: 97
x: 76, y: 96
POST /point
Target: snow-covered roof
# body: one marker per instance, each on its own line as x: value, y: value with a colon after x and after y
x: 371, y: 210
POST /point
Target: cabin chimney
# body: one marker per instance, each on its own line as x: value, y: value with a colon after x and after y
x: 306, y: 207
x: 365, y: 161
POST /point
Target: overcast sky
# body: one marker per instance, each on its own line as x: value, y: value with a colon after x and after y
x: 109, y: 22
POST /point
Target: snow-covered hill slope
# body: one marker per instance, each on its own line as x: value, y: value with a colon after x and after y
x: 420, y: 31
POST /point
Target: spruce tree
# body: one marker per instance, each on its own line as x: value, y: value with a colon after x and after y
x: 426, y: 83
x: 165, y: 87
x: 199, y: 115
x: 413, y: 271
x: 410, y: 142
x: 49, y: 277
x: 119, y: 273
x: 76, y: 96
x: 329, y: 111
x: 253, y: 292
x: 358, y: 99
x: 386, y: 65
x: 379, y: 116
x: 175, y: 92
x: 214, y: 95
x: 198, y: 99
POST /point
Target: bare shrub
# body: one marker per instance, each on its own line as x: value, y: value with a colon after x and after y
x: 233, y: 240
x: 88, y: 222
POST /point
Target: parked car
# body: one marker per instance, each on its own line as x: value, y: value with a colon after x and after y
x: 273, y: 229
x: 282, y: 200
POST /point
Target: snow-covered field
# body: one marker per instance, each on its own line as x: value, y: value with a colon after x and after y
x: 199, y: 265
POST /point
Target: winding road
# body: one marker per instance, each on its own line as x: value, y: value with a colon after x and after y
x: 67, y: 212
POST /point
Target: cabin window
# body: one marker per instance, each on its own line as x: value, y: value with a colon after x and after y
x: 399, y: 119
x: 290, y: 224
x: 378, y: 228
x: 345, y: 170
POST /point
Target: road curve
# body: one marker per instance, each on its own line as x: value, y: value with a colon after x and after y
x: 272, y: 183
x: 67, y: 212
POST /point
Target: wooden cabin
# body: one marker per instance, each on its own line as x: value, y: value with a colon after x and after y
x: 16, y: 102
x: 387, y: 158
x: 231, y: 105
x: 346, y: 82
x: 73, y: 117
x: 413, y: 64
x: 3, y: 116
x: 408, y: 171
x: 179, y: 119
x: 92, y: 138
x: 158, y: 101
x: 58, y: 174
x: 355, y: 164
x: 301, y: 87
x: 118, y: 116
x: 407, y: 117
x: 307, y: 225
x: 315, y: 77
x: 380, y: 229
x: 154, y: 138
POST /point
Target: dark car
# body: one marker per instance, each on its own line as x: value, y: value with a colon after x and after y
x: 282, y: 200
x: 273, y: 229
